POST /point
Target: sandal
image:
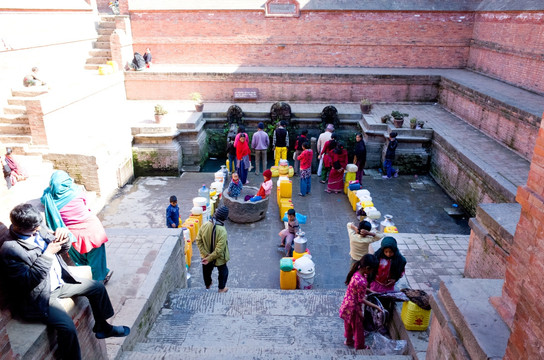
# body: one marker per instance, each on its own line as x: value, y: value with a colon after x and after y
x: 116, y: 331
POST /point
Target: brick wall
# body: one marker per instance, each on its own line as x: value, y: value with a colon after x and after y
x: 491, y: 237
x: 316, y: 38
x: 521, y: 303
x: 277, y: 86
x: 443, y: 344
x: 509, y: 46
x: 511, y: 126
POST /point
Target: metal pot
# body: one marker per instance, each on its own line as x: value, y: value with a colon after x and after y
x: 300, y: 243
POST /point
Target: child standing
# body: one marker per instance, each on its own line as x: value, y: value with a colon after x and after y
x: 305, y: 159
x: 172, y: 213
x: 360, y: 275
x: 242, y: 157
x: 390, y: 157
x: 235, y: 186
x: 391, y: 266
x: 288, y: 235
x: 231, y: 153
x: 266, y: 187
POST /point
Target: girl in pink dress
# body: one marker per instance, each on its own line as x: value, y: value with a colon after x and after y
x: 360, y: 275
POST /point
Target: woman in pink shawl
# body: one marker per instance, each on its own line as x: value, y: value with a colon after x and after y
x: 17, y: 174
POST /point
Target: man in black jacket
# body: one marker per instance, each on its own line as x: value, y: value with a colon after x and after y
x: 36, y: 276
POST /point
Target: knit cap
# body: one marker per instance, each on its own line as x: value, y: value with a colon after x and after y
x: 222, y: 213
x: 267, y: 174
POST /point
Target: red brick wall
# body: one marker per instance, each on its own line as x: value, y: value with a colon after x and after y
x: 443, y: 345
x: 509, y: 46
x: 485, y: 259
x: 272, y: 87
x: 511, y: 127
x: 317, y: 38
x: 523, y: 289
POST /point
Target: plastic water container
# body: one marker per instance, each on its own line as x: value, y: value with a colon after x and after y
x: 414, y: 317
x: 351, y: 168
x: 288, y: 280
x: 205, y: 193
x: 284, y: 162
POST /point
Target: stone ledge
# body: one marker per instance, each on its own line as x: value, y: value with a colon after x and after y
x: 500, y: 220
x: 463, y: 305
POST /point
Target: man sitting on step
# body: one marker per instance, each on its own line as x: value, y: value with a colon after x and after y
x: 36, y: 276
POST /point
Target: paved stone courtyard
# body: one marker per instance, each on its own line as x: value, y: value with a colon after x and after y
x: 433, y: 242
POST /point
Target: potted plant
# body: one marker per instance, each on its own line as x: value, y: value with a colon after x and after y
x: 366, y: 106
x: 413, y: 123
x: 197, y: 98
x: 159, y: 113
x: 420, y: 124
x: 386, y: 118
x: 398, y: 118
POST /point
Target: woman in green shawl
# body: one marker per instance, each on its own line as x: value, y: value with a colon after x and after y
x: 66, y: 206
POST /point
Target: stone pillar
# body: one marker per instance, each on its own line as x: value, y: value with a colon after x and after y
x: 315, y: 160
x: 521, y: 304
x: 35, y: 119
x: 121, y: 48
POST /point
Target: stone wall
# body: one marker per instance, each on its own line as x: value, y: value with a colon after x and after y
x: 102, y: 173
x: 490, y: 240
x: 274, y: 86
x: 509, y: 125
x: 509, y: 46
x: 521, y: 304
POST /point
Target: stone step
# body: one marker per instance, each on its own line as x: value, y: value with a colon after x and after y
x: 15, y: 109
x: 105, y: 30
x: 16, y: 139
x: 30, y: 91
x: 106, y: 25
x: 98, y: 60
x: 157, y: 352
x: 103, y: 38
x: 102, y: 45
x: 14, y: 129
x: 100, y: 53
x: 92, y: 66
x: 107, y: 18
x: 13, y: 119
x: 17, y: 100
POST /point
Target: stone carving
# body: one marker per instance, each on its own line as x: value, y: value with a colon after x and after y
x: 280, y: 111
x: 329, y: 115
x: 235, y: 115
x: 241, y: 211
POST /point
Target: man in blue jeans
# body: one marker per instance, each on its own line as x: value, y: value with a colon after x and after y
x: 36, y: 276
x: 390, y: 157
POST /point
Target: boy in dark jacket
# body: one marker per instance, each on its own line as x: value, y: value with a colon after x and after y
x: 390, y: 156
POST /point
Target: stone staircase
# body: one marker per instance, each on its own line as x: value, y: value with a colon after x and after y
x: 101, y: 52
x: 249, y: 324
x: 14, y: 125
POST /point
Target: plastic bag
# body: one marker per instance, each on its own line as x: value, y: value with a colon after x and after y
x: 382, y: 345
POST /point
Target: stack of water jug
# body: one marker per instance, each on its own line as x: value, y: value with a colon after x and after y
x: 297, y: 271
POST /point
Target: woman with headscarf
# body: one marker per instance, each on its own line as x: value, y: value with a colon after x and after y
x: 66, y: 206
x: 339, y: 160
x: 242, y: 158
x: 391, y: 266
x: 360, y: 157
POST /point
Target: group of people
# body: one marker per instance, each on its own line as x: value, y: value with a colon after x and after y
x: 35, y: 275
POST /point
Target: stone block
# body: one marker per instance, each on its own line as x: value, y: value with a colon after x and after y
x: 241, y: 211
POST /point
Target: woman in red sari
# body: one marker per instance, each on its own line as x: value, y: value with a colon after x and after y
x: 339, y: 160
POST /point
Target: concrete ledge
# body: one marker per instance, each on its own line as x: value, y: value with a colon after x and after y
x: 462, y: 309
x: 138, y: 306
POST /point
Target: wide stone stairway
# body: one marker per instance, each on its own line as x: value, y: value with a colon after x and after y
x: 249, y: 324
